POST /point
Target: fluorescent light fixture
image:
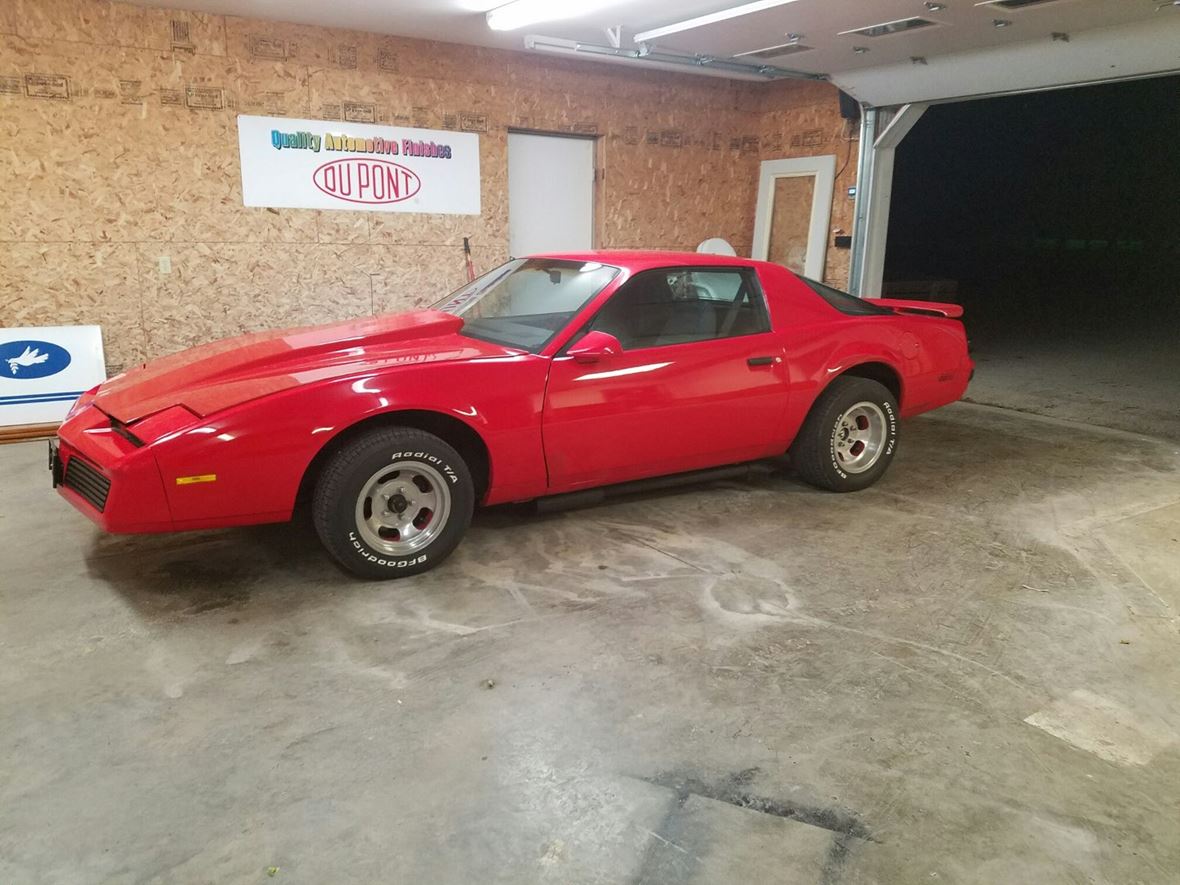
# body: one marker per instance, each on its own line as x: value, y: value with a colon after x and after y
x: 899, y: 26
x: 646, y: 55
x: 1013, y: 4
x: 522, y: 13
x: 711, y: 19
x: 789, y: 48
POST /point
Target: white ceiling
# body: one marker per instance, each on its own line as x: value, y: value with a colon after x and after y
x: 1141, y: 48
x: 963, y: 28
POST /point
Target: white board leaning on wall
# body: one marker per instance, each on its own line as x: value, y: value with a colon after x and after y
x: 44, y: 369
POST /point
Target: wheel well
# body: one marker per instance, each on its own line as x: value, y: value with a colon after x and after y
x: 467, y: 442
x: 882, y: 373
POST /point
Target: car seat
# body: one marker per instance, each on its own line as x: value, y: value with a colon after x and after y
x: 691, y: 319
x: 647, y: 314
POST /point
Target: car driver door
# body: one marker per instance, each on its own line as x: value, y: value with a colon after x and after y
x: 693, y: 377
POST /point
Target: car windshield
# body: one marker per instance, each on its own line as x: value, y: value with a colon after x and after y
x: 525, y: 302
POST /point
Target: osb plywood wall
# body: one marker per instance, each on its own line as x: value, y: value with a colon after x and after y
x: 790, y: 221
x: 802, y: 119
x: 122, y: 195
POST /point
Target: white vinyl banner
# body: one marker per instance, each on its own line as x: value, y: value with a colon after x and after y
x: 326, y: 164
x: 43, y: 370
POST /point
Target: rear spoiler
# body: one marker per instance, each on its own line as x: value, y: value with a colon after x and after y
x: 950, y: 311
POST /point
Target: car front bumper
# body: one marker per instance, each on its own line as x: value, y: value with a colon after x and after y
x: 107, y: 478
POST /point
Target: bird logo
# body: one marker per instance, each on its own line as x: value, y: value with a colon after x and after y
x: 32, y: 356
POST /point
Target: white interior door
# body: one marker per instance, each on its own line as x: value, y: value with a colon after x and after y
x: 550, y: 194
x: 793, y: 213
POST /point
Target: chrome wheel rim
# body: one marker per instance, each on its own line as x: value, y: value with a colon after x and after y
x: 403, y: 507
x: 859, y: 439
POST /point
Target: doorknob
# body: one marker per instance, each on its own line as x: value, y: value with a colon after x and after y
x: 763, y: 360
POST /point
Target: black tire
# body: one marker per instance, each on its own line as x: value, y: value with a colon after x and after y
x: 817, y: 454
x: 356, y: 466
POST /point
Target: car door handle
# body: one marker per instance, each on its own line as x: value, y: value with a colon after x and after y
x: 762, y: 361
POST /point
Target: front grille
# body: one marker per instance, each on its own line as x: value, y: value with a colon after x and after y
x: 87, y: 482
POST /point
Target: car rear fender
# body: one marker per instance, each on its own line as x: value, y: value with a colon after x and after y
x: 881, y: 372
x: 877, y: 360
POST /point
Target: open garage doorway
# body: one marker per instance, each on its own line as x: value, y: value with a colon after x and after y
x: 1054, y: 219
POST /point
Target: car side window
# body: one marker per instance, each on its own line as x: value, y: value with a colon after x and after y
x: 682, y: 305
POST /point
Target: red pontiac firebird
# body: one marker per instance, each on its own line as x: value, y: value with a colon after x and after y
x: 547, y: 376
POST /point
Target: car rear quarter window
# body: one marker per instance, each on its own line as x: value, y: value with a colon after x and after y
x: 843, y: 302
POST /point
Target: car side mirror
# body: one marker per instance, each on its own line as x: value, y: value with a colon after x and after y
x: 595, y: 346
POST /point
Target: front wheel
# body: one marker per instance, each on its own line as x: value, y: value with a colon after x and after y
x: 850, y: 436
x: 393, y: 502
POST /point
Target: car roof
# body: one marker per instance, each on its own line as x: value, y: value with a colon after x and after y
x: 646, y: 259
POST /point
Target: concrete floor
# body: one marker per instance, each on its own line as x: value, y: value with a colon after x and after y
x: 969, y: 673
x: 1127, y: 381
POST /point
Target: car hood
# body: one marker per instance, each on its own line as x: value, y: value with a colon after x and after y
x: 226, y: 373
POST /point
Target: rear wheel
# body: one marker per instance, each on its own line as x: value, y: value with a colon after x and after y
x: 393, y: 502
x: 850, y: 436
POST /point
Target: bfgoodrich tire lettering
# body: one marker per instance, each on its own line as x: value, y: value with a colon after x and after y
x: 393, y: 502
x: 849, y: 437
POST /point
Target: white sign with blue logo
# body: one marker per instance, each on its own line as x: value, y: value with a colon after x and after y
x: 43, y: 370
x: 329, y: 164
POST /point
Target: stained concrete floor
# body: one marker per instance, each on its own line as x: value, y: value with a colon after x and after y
x: 969, y: 673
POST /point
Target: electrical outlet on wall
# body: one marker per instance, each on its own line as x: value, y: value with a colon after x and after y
x: 165, y: 264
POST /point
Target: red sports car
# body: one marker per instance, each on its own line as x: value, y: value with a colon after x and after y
x: 547, y: 376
